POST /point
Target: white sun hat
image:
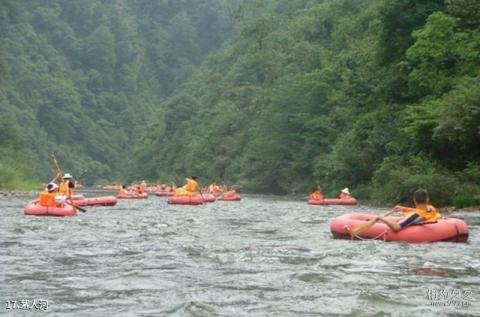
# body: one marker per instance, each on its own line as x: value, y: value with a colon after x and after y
x: 345, y: 191
x: 67, y: 176
x: 51, y: 187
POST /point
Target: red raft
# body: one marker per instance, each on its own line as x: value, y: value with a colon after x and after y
x: 164, y: 193
x: 95, y: 201
x: 185, y: 200
x: 208, y: 198
x: 445, y: 229
x: 33, y: 208
x: 235, y: 197
x: 143, y: 196
x: 333, y: 201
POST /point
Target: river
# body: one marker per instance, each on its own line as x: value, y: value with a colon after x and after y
x: 262, y: 256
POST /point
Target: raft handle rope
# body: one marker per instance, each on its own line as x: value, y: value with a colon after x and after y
x: 352, y: 236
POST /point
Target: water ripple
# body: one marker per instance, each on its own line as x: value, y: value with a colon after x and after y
x: 262, y: 256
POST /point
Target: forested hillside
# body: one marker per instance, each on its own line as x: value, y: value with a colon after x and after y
x: 275, y: 96
x: 379, y: 96
x: 81, y: 78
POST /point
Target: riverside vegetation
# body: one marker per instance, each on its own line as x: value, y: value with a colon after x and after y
x: 272, y: 95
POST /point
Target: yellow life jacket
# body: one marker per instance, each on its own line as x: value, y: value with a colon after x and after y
x: 181, y: 192
x: 63, y: 189
x: 429, y: 215
x: 192, y: 186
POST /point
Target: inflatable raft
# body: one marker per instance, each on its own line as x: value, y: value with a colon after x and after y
x: 95, y: 201
x: 446, y: 229
x: 164, y: 193
x: 143, y: 196
x: 208, y: 198
x: 235, y: 197
x: 185, y: 200
x: 33, y: 208
x: 333, y: 201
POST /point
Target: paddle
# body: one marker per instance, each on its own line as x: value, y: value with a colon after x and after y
x: 55, y: 162
x: 57, y: 167
x: 363, y: 227
x: 85, y: 171
x: 69, y: 195
x: 200, y: 191
x: 74, y: 206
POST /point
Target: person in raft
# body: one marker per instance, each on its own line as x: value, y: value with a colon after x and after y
x: 317, y: 193
x: 422, y: 213
x: 190, y: 189
x: 66, y: 187
x: 123, y: 191
x: 47, y: 197
x: 214, y: 188
x: 138, y: 191
x: 192, y: 186
x: 344, y: 194
x: 231, y: 192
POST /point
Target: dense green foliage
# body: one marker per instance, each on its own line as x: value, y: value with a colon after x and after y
x: 379, y: 96
x: 80, y: 78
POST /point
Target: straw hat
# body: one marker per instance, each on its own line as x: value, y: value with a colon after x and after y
x: 345, y: 191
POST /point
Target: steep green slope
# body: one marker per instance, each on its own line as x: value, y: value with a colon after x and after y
x: 80, y: 78
x: 373, y: 95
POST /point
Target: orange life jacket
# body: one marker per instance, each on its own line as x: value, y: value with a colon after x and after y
x: 215, y: 189
x: 316, y: 195
x: 192, y: 186
x: 429, y: 215
x: 47, y: 199
x: 230, y: 193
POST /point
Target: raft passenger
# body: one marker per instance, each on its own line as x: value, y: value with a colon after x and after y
x: 344, y: 194
x: 123, y: 191
x: 192, y: 186
x: 422, y: 213
x: 231, y: 192
x: 317, y: 193
x: 47, y: 197
x: 66, y: 187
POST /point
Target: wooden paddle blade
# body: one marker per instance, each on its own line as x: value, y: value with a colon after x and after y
x: 79, y: 208
x: 363, y: 227
x: 74, y: 206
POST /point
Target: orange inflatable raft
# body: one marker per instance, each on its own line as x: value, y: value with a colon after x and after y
x: 445, y: 229
x: 164, y: 193
x: 208, y: 198
x: 333, y: 201
x: 185, y: 200
x: 235, y: 197
x: 95, y: 201
x: 34, y: 208
x: 143, y: 196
